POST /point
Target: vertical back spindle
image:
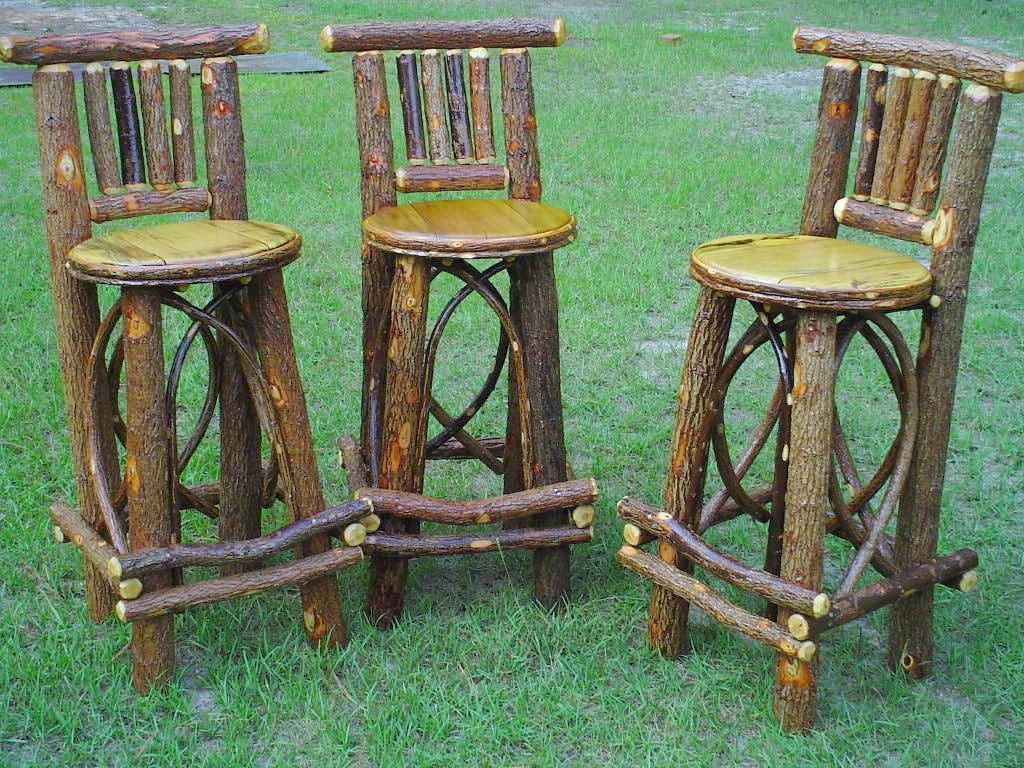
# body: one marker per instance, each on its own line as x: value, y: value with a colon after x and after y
x: 154, y: 123
x: 433, y: 98
x: 480, y: 105
x: 936, y: 139
x: 897, y: 98
x: 522, y: 157
x: 222, y: 124
x: 909, y: 153
x: 101, y: 136
x: 412, y: 108
x: 182, y: 137
x: 458, y: 106
x: 870, y: 126
x: 133, y: 172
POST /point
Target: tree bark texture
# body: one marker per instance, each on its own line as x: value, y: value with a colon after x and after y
x: 405, y: 546
x: 450, y: 178
x: 439, y: 139
x: 882, y: 220
x: 133, y: 204
x: 418, y: 35
x: 101, y: 135
x: 154, y: 123
x: 480, y: 105
x: 412, y: 107
x: 897, y: 102
x: 182, y: 128
x: 458, y: 106
x: 936, y: 139
x: 129, y: 133
x: 911, y: 141
x: 870, y: 128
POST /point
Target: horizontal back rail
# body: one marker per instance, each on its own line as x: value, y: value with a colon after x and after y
x: 996, y: 70
x: 136, y: 45
x: 487, y: 33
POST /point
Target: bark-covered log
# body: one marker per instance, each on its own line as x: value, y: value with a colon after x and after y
x: 454, y: 449
x: 75, y: 302
x: 321, y: 568
x: 810, y: 452
x: 486, y: 33
x: 870, y: 128
x: 458, y: 106
x: 439, y: 138
x: 897, y: 101
x: 129, y: 134
x: 134, y: 45
x: 140, y: 562
x: 406, y: 546
x: 450, y: 178
x: 936, y: 139
x: 132, y: 204
x: 480, y: 105
x: 911, y: 141
x: 688, y: 455
x: 182, y: 132
x: 830, y: 157
x: 752, y: 580
x: 351, y: 458
x: 101, y: 136
x: 882, y: 220
x: 154, y: 123
x: 69, y: 526
x: 910, y: 634
x: 412, y: 107
x: 985, y: 67
x: 714, y: 605
x: 549, y: 498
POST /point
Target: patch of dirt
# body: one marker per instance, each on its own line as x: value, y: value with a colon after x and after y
x: 25, y: 17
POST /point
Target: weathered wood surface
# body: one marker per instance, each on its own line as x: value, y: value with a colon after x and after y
x: 412, y: 107
x: 480, y: 105
x: 882, y: 220
x: 406, y: 546
x: 450, y: 178
x: 132, y: 204
x: 936, y: 139
x: 487, y: 33
x: 870, y: 128
x: 101, y: 135
x: 129, y: 132
x: 996, y: 70
x: 458, y: 106
x: 154, y: 122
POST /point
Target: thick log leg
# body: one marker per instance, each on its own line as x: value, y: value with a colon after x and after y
x: 403, y: 429
x: 910, y: 631
x: 147, y: 474
x: 688, y: 456
x: 806, y: 499
x: 321, y: 611
x: 534, y: 310
x: 75, y: 302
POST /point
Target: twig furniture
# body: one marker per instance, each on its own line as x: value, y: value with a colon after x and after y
x: 812, y: 295
x: 406, y: 246
x: 128, y: 520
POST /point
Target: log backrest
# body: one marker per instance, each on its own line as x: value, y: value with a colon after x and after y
x: 445, y: 95
x: 916, y: 178
x: 144, y: 158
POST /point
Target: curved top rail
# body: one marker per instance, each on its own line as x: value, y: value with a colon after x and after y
x: 996, y: 70
x: 136, y: 44
x: 424, y: 35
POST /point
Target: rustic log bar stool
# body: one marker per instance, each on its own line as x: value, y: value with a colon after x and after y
x: 813, y: 295
x: 406, y: 246
x: 128, y: 521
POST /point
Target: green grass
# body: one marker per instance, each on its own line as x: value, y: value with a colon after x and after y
x: 655, y: 148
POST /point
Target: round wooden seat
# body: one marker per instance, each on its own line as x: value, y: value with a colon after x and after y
x: 810, y: 272
x: 187, y: 251
x: 468, y: 229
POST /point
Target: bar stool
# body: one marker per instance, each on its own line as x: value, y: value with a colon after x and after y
x: 407, y: 246
x: 812, y: 296
x: 128, y: 520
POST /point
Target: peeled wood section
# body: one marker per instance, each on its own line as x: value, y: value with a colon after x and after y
x: 487, y: 33
x: 870, y: 127
x: 101, y: 136
x: 550, y: 498
x: 458, y: 106
x: 134, y: 45
x: 412, y: 107
x: 882, y: 220
x: 897, y: 101
x: 154, y: 121
x: 996, y: 70
x: 439, y: 137
x: 936, y: 139
x: 406, y: 546
x: 312, y: 568
x: 752, y: 580
x: 480, y: 105
x: 450, y: 178
x: 911, y: 140
x: 132, y: 204
x: 129, y: 135
x: 182, y: 136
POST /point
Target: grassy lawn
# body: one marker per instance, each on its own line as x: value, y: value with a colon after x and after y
x: 655, y: 148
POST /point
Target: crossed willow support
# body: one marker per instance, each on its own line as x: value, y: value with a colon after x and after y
x: 450, y: 146
x: 130, y: 461
x: 916, y: 179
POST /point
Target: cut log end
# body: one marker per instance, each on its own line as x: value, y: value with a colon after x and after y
x: 119, y: 611
x: 968, y: 581
x: 560, y: 32
x: 114, y: 568
x: 260, y: 42
x: 632, y: 535
x: 1013, y: 77
x: 58, y: 535
x: 806, y: 651
x: 583, y: 515
x: 354, y: 534
x: 371, y: 523
x: 6, y: 48
x: 129, y: 589
x: 822, y: 605
x: 798, y: 627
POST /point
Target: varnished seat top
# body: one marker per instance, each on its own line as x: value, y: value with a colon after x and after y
x: 810, y: 272
x: 474, y: 228
x: 182, y: 252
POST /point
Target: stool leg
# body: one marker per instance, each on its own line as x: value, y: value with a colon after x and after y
x: 403, y: 431
x: 240, y: 467
x: 533, y: 307
x: 147, y: 473
x: 688, y: 457
x: 810, y: 458
x: 321, y: 609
